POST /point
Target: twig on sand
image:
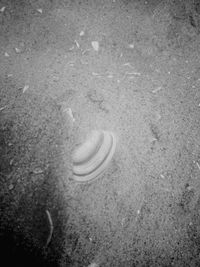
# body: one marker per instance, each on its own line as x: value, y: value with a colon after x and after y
x: 2, y: 108
x: 50, y: 228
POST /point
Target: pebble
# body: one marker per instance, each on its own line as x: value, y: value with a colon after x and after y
x: 39, y: 10
x: 82, y: 33
x: 3, y: 9
x: 95, y: 45
x: 38, y: 170
x: 11, y: 186
x: 20, y: 48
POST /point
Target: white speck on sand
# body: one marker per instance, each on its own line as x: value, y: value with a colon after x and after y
x: 26, y: 87
x: 3, y: 9
x: 95, y: 45
x: 82, y: 33
x: 39, y: 10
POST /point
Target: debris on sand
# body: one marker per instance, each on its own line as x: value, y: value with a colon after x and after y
x: 38, y: 170
x: 157, y: 89
x: 93, y: 265
x: 20, y: 48
x: 198, y: 165
x: 2, y: 108
x: 82, y: 33
x: 50, y: 228
x: 2, y: 9
x: 6, y: 54
x: 26, y: 87
x: 70, y: 113
x: 95, y: 45
x: 131, y: 46
x: 128, y: 64
x: 39, y: 10
x: 11, y: 186
x: 77, y: 44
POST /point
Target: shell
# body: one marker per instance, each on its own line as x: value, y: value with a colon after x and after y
x: 91, y: 158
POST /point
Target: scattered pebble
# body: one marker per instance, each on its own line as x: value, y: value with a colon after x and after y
x: 39, y: 10
x: 95, y: 45
x: 26, y: 87
x: 11, y: 186
x: 95, y: 74
x: 70, y: 113
x: 93, y: 265
x: 3, y: 9
x: 38, y: 170
x: 10, y: 75
x: 6, y: 54
x: 138, y: 211
x: 82, y: 33
x: 131, y: 46
x: 71, y: 48
x: 20, y: 48
x: 17, y: 50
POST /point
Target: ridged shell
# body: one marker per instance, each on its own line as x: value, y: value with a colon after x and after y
x: 91, y: 158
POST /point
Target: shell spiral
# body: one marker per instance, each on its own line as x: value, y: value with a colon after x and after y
x: 92, y: 157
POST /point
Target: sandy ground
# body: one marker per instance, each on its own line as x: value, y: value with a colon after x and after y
x: 131, y: 67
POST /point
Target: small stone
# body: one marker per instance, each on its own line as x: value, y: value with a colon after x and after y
x: 11, y: 186
x: 95, y: 45
x: 82, y: 33
x: 3, y: 9
x: 38, y: 170
x: 20, y: 48
x: 131, y: 46
x: 39, y: 10
x: 6, y: 54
